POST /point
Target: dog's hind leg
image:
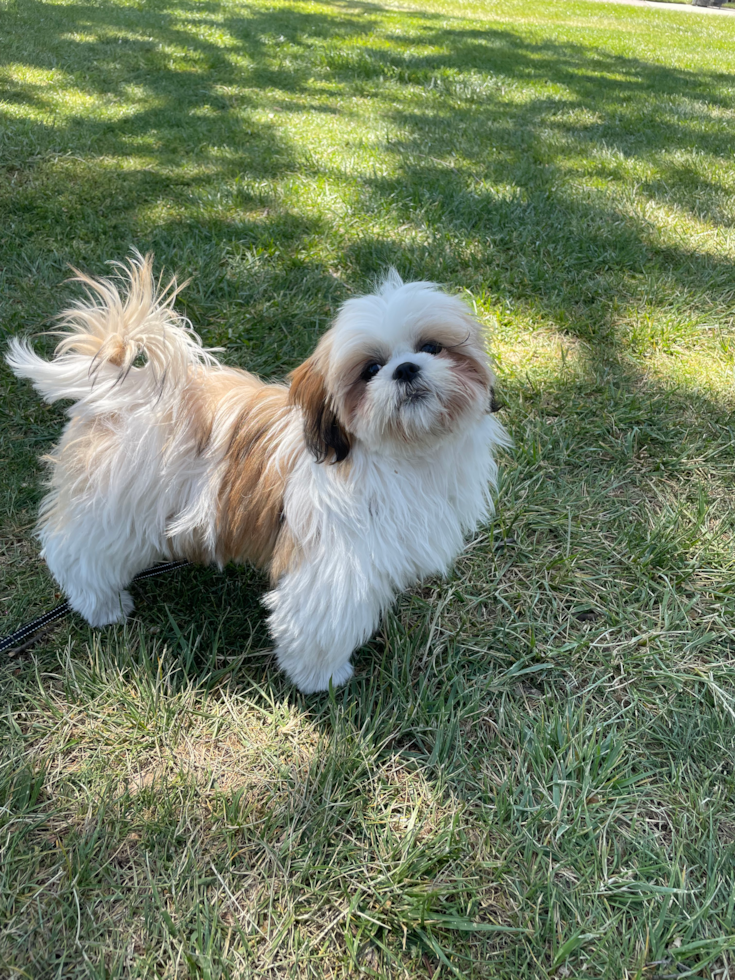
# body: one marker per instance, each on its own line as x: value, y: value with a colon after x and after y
x: 94, y: 564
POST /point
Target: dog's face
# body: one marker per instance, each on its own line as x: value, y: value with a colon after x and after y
x: 398, y: 371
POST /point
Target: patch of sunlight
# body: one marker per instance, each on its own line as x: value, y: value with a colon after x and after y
x: 688, y: 108
x: 711, y: 166
x: 80, y: 37
x: 52, y: 93
x: 536, y: 351
x: 205, y: 111
x: 18, y: 110
x: 677, y: 226
x: 218, y: 744
x: 642, y: 191
x: 577, y: 115
x: 214, y: 34
x: 612, y: 22
x: 134, y: 162
x: 499, y: 191
x: 707, y: 371
x: 457, y: 8
x: 28, y: 75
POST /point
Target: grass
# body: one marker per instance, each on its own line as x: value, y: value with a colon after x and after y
x: 532, y: 773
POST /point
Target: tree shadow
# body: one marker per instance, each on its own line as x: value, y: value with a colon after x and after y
x: 486, y: 173
x: 491, y: 176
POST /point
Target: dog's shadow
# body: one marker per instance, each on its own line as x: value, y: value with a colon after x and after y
x: 210, y: 622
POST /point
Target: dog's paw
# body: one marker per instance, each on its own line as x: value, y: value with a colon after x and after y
x: 103, y: 611
x: 310, y: 677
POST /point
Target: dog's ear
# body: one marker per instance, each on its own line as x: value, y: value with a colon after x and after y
x: 323, y: 432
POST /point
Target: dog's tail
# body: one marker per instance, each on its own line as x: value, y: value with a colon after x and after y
x: 130, y: 344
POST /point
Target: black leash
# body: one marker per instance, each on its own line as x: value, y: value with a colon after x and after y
x: 8, y: 642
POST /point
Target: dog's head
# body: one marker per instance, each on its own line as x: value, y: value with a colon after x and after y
x: 398, y: 371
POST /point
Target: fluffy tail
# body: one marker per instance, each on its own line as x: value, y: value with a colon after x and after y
x: 105, y: 334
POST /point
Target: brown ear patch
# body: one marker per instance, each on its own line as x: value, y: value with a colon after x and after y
x: 324, y: 435
x: 495, y: 404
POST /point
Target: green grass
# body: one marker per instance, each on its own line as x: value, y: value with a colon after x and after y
x: 532, y: 773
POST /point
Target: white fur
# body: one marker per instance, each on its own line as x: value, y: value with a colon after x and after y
x: 384, y: 528
x: 413, y: 487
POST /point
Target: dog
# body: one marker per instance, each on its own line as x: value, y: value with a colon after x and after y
x: 354, y: 481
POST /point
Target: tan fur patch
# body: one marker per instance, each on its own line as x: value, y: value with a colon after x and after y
x: 353, y: 386
x: 469, y: 368
x: 324, y: 432
x: 470, y: 374
x: 253, y: 483
x: 286, y: 556
x: 209, y: 394
x: 308, y: 386
x: 113, y: 350
x: 353, y: 396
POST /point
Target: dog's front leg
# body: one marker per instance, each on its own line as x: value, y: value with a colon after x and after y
x: 321, y: 612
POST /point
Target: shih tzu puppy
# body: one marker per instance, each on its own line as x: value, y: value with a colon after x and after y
x: 356, y: 480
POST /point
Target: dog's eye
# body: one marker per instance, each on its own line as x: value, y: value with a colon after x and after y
x: 431, y: 348
x: 370, y: 371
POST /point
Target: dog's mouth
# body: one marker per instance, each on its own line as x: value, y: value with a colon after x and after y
x: 414, y: 396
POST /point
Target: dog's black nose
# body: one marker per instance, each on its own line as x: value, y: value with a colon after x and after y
x: 406, y: 372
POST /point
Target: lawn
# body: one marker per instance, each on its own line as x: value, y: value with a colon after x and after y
x: 532, y: 773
